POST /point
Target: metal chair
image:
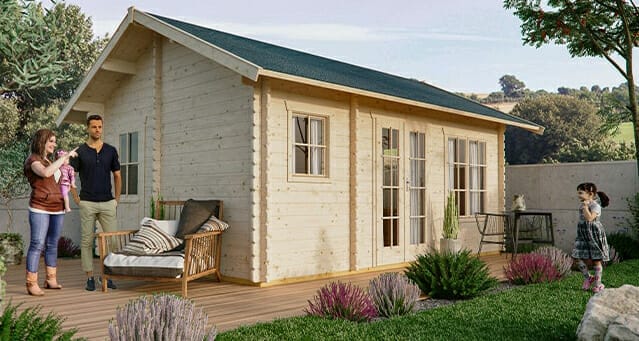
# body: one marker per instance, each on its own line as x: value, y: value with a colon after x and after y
x: 493, y: 229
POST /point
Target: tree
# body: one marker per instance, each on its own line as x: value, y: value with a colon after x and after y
x: 43, y: 52
x: 511, y: 86
x: 597, y: 28
x: 572, y: 132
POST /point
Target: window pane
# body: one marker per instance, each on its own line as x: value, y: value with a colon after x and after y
x: 387, y: 171
x: 395, y: 142
x: 422, y: 145
x: 395, y: 232
x: 394, y: 202
x: 395, y: 172
x: 385, y: 140
x: 387, y: 231
x: 317, y: 161
x: 124, y: 148
x: 301, y: 160
x: 317, y: 131
x: 133, y: 147
x: 462, y: 177
x: 421, y: 169
x: 386, y: 202
x: 300, y: 125
x: 123, y: 174
x: 461, y: 147
x: 482, y: 153
x: 133, y: 179
x: 413, y: 140
x: 482, y: 177
x: 462, y: 203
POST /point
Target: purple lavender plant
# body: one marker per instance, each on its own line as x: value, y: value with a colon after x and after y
x: 393, y: 294
x: 160, y: 317
x: 560, y: 260
x: 342, y: 301
x: 531, y: 268
x: 67, y: 248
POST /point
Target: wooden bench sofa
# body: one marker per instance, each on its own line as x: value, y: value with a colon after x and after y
x: 201, y: 253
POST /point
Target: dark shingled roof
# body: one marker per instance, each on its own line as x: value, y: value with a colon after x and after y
x: 301, y: 64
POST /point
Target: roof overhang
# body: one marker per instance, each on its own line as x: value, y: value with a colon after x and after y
x: 81, y: 104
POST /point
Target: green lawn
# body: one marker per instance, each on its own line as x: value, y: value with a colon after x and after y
x: 534, y: 312
x: 625, y: 133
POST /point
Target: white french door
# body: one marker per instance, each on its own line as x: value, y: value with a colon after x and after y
x: 400, y: 230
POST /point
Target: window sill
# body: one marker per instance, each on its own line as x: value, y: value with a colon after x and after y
x: 129, y: 199
x: 309, y: 179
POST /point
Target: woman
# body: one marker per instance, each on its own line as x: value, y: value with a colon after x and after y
x: 46, y: 209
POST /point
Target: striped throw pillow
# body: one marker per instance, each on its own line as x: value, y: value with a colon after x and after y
x: 150, y: 240
x: 213, y: 224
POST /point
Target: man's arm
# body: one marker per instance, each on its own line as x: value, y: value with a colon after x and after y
x: 117, y: 183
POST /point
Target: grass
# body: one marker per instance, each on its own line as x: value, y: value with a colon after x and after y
x: 625, y: 133
x: 549, y: 311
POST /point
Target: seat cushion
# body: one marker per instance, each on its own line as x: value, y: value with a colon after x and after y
x: 150, y: 239
x: 213, y: 224
x: 194, y: 214
x: 169, y: 264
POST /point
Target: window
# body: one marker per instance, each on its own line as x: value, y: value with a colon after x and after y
x: 309, y: 145
x: 129, y: 163
x: 467, y: 174
x: 390, y: 186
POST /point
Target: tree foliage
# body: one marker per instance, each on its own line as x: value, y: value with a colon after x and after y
x: 596, y: 28
x: 573, y: 133
x: 511, y: 86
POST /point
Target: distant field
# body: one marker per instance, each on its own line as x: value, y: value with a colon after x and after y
x: 625, y: 133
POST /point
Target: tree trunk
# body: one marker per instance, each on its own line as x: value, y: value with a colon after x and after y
x: 632, y: 95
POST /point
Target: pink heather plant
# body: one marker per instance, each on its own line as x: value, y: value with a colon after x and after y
x: 560, y: 260
x: 393, y: 294
x: 342, y: 301
x: 531, y: 268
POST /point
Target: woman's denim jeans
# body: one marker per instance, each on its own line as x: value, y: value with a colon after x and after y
x: 45, y: 232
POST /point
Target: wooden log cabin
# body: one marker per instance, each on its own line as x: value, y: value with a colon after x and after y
x: 324, y: 167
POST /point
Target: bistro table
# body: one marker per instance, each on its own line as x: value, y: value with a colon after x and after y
x: 516, y: 227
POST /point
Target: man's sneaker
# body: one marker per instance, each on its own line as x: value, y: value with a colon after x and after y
x: 587, y: 283
x: 90, y: 284
x: 110, y: 283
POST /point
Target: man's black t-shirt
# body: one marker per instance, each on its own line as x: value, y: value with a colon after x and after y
x: 95, y: 171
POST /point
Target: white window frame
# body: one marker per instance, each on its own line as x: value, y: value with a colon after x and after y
x: 293, y: 144
x: 469, y: 166
x: 125, y: 163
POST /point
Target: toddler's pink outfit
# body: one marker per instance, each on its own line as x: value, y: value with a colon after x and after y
x: 66, y: 179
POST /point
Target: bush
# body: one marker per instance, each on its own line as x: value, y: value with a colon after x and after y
x: 450, y: 275
x: 160, y: 317
x: 531, y: 268
x: 625, y: 245
x: 342, y: 301
x: 560, y: 260
x: 393, y: 294
x: 30, y: 325
x: 67, y: 248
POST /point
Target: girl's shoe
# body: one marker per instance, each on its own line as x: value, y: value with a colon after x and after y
x: 598, y: 288
x: 587, y: 283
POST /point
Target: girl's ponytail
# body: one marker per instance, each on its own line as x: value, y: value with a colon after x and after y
x: 605, y: 201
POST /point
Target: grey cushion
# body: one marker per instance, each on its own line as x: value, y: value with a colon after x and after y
x: 194, y: 214
x: 150, y: 239
x: 213, y: 224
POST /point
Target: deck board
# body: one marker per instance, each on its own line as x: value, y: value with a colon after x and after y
x: 227, y: 305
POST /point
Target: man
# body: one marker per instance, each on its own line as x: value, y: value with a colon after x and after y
x: 95, y: 163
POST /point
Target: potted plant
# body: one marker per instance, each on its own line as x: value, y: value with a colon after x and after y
x: 449, y: 241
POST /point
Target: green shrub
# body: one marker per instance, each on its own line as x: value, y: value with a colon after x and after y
x: 450, y: 275
x: 625, y: 245
x: 160, y: 317
x: 30, y: 325
x: 393, y: 294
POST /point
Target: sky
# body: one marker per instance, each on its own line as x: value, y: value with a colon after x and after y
x: 459, y: 45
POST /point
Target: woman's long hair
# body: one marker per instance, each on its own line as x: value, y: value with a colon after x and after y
x: 39, y: 142
x: 592, y: 188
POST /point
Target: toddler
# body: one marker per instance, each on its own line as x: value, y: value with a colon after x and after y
x: 67, y: 179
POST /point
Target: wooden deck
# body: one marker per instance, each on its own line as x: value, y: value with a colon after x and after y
x: 227, y: 305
